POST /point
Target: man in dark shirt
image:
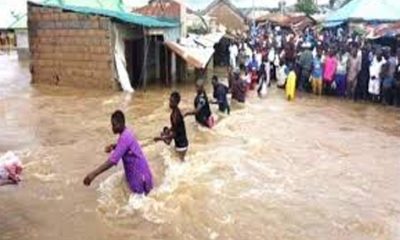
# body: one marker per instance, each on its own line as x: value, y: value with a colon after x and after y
x: 305, y: 63
x: 363, y: 76
x: 220, y: 95
x: 239, y: 87
x: 202, y: 111
x: 177, y: 132
x: 397, y: 82
x: 290, y: 52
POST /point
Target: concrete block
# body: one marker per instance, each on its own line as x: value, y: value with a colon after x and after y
x: 46, y: 25
x: 75, y: 24
x: 73, y: 16
x: 83, y: 17
x: 34, y: 9
x: 63, y: 16
x: 104, y: 23
x: 94, y: 24
x: 83, y: 24
x: 56, y: 16
x: 59, y: 24
x: 46, y: 17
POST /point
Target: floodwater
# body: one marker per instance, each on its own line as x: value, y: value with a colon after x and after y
x: 316, y: 168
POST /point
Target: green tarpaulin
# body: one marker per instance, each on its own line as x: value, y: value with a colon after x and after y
x: 113, y: 5
x: 109, y: 8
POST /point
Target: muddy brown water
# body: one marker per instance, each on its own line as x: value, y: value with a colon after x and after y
x: 316, y: 168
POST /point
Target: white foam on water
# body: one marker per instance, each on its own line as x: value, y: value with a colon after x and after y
x: 213, y: 235
x: 163, y: 202
x: 51, y: 177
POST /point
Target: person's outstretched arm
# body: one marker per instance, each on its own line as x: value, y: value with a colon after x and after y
x: 119, y: 150
x: 166, y: 138
x: 197, y: 110
x: 102, y: 168
x: 170, y: 134
x: 191, y: 113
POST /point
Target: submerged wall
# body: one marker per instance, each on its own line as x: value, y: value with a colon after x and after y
x: 70, y: 49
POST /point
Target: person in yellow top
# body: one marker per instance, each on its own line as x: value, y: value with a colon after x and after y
x: 291, y: 84
x: 11, y: 41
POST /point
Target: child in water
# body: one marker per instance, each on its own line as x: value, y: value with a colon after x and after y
x: 291, y: 84
x: 137, y: 170
x: 177, y: 132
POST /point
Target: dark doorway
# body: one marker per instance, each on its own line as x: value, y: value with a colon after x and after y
x: 158, y: 65
x: 134, y: 54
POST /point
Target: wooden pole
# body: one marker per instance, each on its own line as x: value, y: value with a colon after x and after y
x: 146, y: 48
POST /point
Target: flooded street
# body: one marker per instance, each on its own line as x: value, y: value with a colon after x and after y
x: 316, y: 168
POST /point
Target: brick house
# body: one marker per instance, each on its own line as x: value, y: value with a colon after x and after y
x: 94, y: 47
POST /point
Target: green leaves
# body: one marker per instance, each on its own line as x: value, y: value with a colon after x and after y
x: 308, y: 7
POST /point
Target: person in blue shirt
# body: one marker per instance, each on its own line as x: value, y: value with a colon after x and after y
x: 387, y: 85
x: 202, y: 110
x: 316, y: 74
x: 220, y: 95
x: 253, y: 64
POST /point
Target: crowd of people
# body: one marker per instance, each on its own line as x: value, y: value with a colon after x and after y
x: 127, y: 148
x: 337, y: 63
x: 7, y: 41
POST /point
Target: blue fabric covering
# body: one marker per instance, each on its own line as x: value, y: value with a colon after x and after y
x: 367, y: 10
x: 332, y: 24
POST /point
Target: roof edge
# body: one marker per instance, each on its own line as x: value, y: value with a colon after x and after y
x: 126, y: 17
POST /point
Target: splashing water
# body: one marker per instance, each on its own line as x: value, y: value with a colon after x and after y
x: 315, y: 168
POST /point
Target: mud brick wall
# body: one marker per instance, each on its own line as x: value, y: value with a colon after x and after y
x: 70, y: 49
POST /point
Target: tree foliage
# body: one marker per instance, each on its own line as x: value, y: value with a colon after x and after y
x: 331, y: 3
x: 307, y: 6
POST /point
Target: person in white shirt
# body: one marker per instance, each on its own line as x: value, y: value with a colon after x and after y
x: 258, y: 58
x: 233, y: 54
x: 374, y: 86
x: 248, y: 53
x: 282, y: 75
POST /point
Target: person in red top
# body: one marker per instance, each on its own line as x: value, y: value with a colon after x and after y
x: 330, y: 71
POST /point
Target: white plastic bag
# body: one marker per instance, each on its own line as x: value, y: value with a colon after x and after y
x: 8, y: 162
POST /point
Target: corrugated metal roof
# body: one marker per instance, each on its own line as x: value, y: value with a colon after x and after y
x: 20, y: 23
x: 196, y: 50
x: 6, y: 18
x: 10, y: 10
x: 170, y: 9
x: 228, y: 3
x: 162, y: 8
x: 89, y: 7
x: 384, y: 30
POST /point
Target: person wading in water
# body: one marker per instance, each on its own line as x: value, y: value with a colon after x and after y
x: 177, y: 130
x: 220, y: 95
x: 202, y: 110
x: 137, y: 171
